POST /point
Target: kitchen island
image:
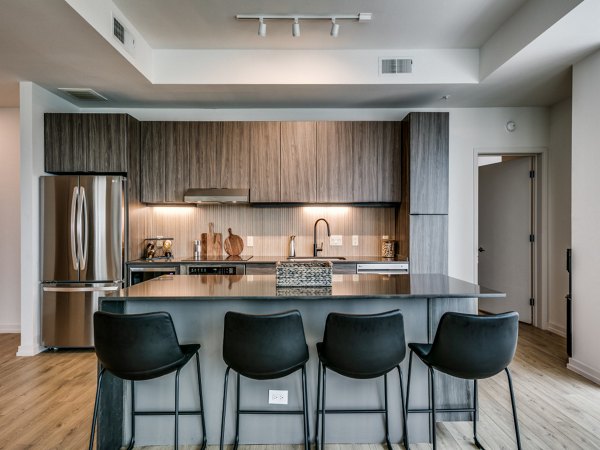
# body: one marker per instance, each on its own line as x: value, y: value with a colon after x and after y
x: 198, y: 305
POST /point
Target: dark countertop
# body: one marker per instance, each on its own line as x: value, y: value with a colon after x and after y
x: 262, y: 260
x: 241, y: 287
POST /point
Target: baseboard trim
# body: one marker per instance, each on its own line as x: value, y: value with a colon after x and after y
x: 584, y: 370
x: 557, y: 329
x: 10, y: 328
x: 30, y: 350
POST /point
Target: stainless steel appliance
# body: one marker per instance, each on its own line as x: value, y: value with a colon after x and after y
x: 83, y: 222
x: 396, y: 268
x: 217, y: 269
x: 139, y: 274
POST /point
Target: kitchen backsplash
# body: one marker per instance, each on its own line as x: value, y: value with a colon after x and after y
x: 269, y: 227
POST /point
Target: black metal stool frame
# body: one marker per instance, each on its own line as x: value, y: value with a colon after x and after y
x: 134, y: 413
x: 321, y: 378
x: 432, y: 410
x: 303, y: 411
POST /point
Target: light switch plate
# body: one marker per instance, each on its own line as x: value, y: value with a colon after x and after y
x: 354, y: 240
x: 250, y: 241
x: 335, y: 240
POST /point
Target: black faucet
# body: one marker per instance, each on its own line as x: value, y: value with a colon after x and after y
x: 315, y: 248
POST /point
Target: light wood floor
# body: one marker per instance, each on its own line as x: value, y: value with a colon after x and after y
x: 46, y: 402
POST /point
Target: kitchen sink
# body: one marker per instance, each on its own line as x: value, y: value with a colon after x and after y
x: 316, y: 258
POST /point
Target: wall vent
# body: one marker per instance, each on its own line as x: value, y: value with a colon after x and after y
x: 118, y: 30
x: 392, y: 66
x: 86, y: 94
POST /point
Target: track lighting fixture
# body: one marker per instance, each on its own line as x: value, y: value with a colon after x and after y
x: 296, y: 28
x: 262, y: 27
x: 295, y: 18
x: 335, y: 28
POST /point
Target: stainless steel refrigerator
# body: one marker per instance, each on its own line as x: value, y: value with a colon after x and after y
x: 83, y: 223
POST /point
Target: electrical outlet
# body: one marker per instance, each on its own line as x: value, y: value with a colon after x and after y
x: 250, y: 241
x: 278, y: 397
x: 385, y: 236
x: 335, y: 240
x: 355, y: 277
x: 355, y: 240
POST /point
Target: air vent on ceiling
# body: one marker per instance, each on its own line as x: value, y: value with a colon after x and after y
x: 389, y: 66
x: 83, y: 94
x: 118, y: 30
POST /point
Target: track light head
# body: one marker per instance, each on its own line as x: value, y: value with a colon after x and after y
x: 335, y: 28
x: 262, y: 27
x: 296, y: 28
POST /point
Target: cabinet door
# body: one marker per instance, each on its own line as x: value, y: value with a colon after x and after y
x: 63, y: 143
x: 204, y: 172
x: 429, y: 243
x: 176, y: 160
x: 334, y: 162
x: 428, y: 163
x: 105, y: 142
x: 265, y: 164
x: 390, y: 164
x: 298, y: 162
x: 233, y: 155
x: 367, y: 140
x: 153, y: 161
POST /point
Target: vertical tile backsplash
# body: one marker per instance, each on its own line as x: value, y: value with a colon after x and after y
x: 271, y: 227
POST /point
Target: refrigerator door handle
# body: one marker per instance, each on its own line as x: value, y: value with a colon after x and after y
x: 74, y: 201
x: 80, y: 289
x: 84, y: 217
x: 80, y: 230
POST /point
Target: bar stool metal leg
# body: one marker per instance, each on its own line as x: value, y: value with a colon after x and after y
x: 305, y: 409
x: 132, y: 439
x: 317, y: 443
x: 433, y: 438
x: 514, y: 408
x: 404, y: 430
x: 475, y: 401
x: 407, y: 397
x: 201, y: 402
x: 177, y: 409
x: 323, y: 410
x: 96, y: 402
x: 224, y: 408
x: 387, y: 422
x: 237, y: 414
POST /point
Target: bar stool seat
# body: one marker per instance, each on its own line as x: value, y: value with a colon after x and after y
x: 362, y: 347
x: 137, y: 347
x: 264, y: 347
x: 470, y: 347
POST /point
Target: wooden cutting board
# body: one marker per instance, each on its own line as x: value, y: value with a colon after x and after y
x: 234, y: 245
x: 212, y: 243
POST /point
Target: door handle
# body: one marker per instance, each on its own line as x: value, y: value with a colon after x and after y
x: 74, y: 199
x: 481, y: 249
x: 84, y: 238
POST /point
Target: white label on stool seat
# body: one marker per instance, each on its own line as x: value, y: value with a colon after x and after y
x: 278, y: 397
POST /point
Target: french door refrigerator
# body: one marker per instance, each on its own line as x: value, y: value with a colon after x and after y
x: 82, y: 253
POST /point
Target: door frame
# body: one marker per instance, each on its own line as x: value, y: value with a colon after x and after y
x: 540, y: 222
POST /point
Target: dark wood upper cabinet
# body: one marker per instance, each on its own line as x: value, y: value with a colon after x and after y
x: 204, y: 171
x: 298, y: 162
x: 233, y: 155
x: 334, y: 162
x: 177, y: 160
x: 265, y: 162
x: 153, y: 147
x: 428, y: 148
x: 86, y: 143
x: 389, y: 186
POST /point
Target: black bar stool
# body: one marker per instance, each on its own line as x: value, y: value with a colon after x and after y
x: 361, y: 347
x: 470, y: 347
x: 139, y: 347
x: 264, y: 347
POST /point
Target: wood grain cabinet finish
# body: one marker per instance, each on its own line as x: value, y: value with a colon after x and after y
x: 204, y: 171
x: 298, y: 162
x: 334, y: 162
x: 233, y: 155
x: 85, y: 143
x: 376, y: 165
x: 153, y: 147
x: 429, y: 243
x: 428, y: 148
x: 265, y: 162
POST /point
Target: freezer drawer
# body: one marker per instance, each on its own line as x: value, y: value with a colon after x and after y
x: 67, y: 313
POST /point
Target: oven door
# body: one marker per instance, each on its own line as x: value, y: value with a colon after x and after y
x: 140, y: 274
x: 383, y: 269
x: 217, y: 269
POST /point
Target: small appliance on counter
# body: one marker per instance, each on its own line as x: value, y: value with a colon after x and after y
x: 388, y: 247
x: 158, y: 248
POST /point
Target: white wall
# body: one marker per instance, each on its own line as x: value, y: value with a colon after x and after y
x: 585, y: 217
x: 559, y: 214
x: 34, y: 102
x: 10, y: 306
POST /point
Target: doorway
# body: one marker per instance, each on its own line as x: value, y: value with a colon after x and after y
x: 507, y: 205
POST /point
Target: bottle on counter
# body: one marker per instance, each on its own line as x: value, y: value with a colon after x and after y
x: 196, y: 249
x: 292, y: 246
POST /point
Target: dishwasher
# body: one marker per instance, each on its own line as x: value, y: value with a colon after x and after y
x: 395, y: 268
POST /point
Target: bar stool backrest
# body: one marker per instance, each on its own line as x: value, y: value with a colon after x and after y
x: 474, y: 347
x: 136, y: 346
x: 364, y: 346
x: 264, y: 346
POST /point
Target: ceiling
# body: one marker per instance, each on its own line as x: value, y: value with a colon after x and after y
x: 195, y: 54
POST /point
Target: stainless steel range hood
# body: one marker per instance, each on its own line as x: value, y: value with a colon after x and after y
x: 215, y: 196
